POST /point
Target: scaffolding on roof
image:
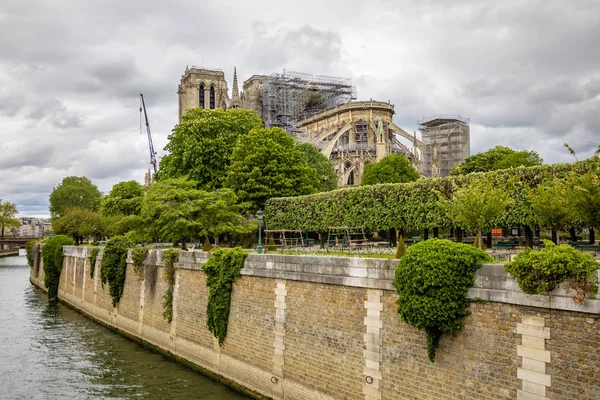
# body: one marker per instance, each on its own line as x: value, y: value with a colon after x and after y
x: 446, y: 142
x: 292, y: 96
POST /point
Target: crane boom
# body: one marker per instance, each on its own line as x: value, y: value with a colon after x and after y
x: 150, y: 145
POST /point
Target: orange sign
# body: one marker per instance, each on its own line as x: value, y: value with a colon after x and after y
x: 496, y: 232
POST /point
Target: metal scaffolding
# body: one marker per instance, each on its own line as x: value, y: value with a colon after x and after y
x: 293, y: 96
x: 446, y: 142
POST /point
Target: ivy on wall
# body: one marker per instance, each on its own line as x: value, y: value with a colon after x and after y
x: 222, y: 269
x: 52, y: 254
x: 414, y: 205
x: 169, y: 257
x: 432, y: 280
x: 138, y: 256
x: 114, y: 266
x: 93, y: 257
x: 542, y: 271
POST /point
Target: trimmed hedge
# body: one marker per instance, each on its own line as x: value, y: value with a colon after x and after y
x: 414, y: 205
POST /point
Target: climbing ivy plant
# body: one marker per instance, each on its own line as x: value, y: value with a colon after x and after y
x: 541, y: 271
x: 222, y: 269
x: 52, y: 254
x: 93, y: 257
x: 114, y: 266
x: 432, y: 280
x: 138, y: 256
x: 169, y: 257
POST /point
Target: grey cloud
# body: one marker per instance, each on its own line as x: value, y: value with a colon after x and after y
x: 55, y: 113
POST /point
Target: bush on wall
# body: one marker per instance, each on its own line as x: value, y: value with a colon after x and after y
x: 114, y: 266
x: 52, y: 254
x: 432, y: 280
x: 169, y: 257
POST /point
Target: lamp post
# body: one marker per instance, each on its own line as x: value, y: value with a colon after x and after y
x: 259, y: 214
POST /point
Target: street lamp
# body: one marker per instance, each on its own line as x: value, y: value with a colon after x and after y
x: 259, y: 214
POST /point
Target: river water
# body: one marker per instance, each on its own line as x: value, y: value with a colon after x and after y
x: 52, y: 352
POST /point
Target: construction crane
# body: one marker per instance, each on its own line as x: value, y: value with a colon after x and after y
x: 150, y: 145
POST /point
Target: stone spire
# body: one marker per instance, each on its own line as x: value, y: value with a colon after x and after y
x: 235, y: 92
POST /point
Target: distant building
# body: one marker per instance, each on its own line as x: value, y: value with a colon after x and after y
x: 446, y: 142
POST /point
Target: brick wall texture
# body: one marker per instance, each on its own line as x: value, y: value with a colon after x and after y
x: 342, y: 342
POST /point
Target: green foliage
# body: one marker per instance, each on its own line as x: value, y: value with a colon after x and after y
x: 76, y: 222
x: 415, y: 205
x: 138, y: 256
x: 326, y: 178
x: 541, y: 271
x: 200, y: 145
x: 552, y: 204
x: 394, y: 168
x: 169, y: 257
x: 497, y: 158
x: 401, y: 250
x: 176, y: 211
x: 271, y: 244
x: 29, y: 251
x: 432, y: 280
x: 93, y: 257
x: 114, y: 266
x: 222, y: 269
x: 584, y: 191
x: 266, y: 163
x: 52, y: 254
x: 206, y: 245
x: 74, y: 191
x: 125, y: 198
x: 8, y: 211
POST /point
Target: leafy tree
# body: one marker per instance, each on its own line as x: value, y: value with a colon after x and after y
x: 8, y: 211
x: 124, y: 198
x: 176, y: 211
x: 200, y: 145
x: 394, y: 168
x: 585, y: 194
x: 266, y: 163
x: 74, y: 191
x: 77, y: 223
x: 499, y: 157
x: 326, y: 176
x: 552, y: 205
x: 475, y: 207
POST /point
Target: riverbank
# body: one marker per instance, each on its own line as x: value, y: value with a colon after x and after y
x: 9, y: 253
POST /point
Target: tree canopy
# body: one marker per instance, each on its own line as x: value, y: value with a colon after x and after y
x: 552, y: 205
x: 124, y: 198
x: 74, y: 191
x: 76, y: 222
x: 200, y: 145
x: 326, y: 176
x: 175, y: 210
x: 499, y: 157
x: 8, y: 211
x: 394, y: 168
x: 266, y: 163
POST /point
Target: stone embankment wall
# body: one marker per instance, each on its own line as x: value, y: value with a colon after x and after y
x: 304, y: 327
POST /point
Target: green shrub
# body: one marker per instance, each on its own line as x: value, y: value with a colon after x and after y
x: 432, y: 280
x: 206, y: 245
x: 271, y: 245
x: 138, y: 256
x: 401, y: 250
x: 222, y: 269
x: 169, y: 257
x: 29, y: 251
x: 114, y: 266
x: 93, y: 257
x: 541, y: 271
x: 52, y: 253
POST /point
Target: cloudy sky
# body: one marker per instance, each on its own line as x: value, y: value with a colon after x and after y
x: 527, y: 73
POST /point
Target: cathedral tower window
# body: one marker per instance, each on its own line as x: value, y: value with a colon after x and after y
x: 201, y: 103
x: 212, y: 97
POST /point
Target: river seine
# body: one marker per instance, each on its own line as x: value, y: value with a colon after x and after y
x: 49, y: 351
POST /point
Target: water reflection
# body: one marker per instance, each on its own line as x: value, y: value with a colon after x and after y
x: 48, y: 351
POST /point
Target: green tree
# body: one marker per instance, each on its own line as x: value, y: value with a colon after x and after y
x: 553, y: 207
x: 499, y: 157
x: 394, y: 168
x: 77, y: 223
x: 326, y: 176
x: 176, y: 211
x: 266, y: 163
x: 74, y: 191
x: 476, y: 206
x: 200, y: 145
x: 124, y: 198
x: 8, y: 211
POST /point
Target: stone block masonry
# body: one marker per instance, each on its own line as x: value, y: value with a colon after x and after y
x: 306, y: 327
